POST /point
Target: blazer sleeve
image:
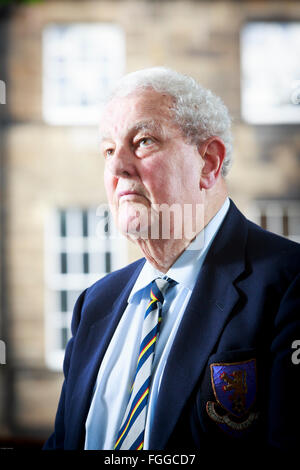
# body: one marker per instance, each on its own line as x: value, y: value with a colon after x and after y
x: 284, y: 393
x: 57, y: 438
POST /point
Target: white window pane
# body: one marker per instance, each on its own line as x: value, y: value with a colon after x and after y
x: 294, y: 225
x: 74, y: 263
x: 92, y: 222
x: 270, y: 81
x: 97, y: 263
x: 274, y: 224
x: 274, y: 213
x: 76, y: 258
x: 72, y: 296
x: 65, y: 300
x: 74, y: 223
x: 81, y: 62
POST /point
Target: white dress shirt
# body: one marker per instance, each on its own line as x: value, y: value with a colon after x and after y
x: 114, y: 380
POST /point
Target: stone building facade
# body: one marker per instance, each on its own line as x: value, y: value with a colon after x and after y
x: 52, y: 167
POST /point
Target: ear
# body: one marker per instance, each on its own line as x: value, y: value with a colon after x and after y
x: 213, y: 152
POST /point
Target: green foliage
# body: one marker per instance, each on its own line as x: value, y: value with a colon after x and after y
x: 19, y: 2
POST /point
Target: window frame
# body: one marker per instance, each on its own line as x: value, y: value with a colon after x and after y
x: 77, y: 69
x: 270, y: 93
x: 56, y: 282
x: 275, y: 215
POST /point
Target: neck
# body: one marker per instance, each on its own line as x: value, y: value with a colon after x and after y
x: 162, y: 253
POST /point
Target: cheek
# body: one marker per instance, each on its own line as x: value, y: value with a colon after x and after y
x: 173, y: 178
x: 154, y: 177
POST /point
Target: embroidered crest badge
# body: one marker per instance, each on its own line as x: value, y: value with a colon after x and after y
x: 234, y: 386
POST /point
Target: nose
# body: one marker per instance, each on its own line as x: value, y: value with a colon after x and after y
x: 121, y: 164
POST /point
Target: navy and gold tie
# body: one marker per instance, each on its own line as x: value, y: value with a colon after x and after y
x: 131, y: 433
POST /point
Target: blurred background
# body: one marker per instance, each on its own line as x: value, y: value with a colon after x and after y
x: 58, y: 60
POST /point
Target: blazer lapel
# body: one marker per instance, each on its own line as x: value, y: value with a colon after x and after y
x: 211, y: 303
x: 90, y: 350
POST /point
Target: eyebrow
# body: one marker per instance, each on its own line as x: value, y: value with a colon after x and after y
x: 151, y: 125
x: 146, y: 125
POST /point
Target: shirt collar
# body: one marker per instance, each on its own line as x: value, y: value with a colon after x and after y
x: 186, y: 268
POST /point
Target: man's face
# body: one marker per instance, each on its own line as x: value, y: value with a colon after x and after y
x: 148, y: 162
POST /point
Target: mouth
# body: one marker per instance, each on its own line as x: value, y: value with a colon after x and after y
x: 127, y: 194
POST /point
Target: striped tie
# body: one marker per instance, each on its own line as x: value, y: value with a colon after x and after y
x: 131, y: 434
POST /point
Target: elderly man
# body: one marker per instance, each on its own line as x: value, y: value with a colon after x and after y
x: 191, y: 346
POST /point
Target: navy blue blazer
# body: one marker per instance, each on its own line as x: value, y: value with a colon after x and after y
x: 229, y: 380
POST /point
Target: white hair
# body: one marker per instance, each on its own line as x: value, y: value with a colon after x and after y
x: 197, y: 110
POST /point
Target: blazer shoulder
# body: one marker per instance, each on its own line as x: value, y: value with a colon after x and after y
x: 274, y: 251
x: 269, y: 241
x: 264, y: 252
x: 257, y: 237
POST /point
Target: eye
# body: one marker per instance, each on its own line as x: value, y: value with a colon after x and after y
x: 108, y: 152
x: 145, y: 142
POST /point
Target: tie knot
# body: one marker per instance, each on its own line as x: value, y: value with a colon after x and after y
x: 160, y: 287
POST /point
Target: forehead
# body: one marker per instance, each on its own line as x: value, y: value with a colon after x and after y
x: 145, y: 108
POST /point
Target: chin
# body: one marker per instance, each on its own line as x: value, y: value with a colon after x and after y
x: 133, y: 220
x: 133, y: 230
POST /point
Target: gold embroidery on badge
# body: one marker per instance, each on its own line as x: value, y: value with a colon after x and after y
x: 225, y: 419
